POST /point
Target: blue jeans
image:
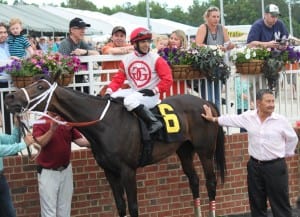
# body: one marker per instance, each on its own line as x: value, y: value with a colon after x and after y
x: 6, y: 206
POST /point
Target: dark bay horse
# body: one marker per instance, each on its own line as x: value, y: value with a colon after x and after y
x: 117, y: 132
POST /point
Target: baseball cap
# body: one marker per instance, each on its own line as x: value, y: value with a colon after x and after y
x: 78, y: 22
x: 118, y: 28
x: 272, y: 9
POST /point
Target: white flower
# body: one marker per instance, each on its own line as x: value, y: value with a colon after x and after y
x: 220, y: 52
x: 214, y: 47
x: 247, y: 56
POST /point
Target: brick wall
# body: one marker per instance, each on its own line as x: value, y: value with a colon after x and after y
x: 162, y: 188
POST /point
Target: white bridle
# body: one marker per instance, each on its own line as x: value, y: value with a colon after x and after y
x: 38, y: 99
x: 49, y: 93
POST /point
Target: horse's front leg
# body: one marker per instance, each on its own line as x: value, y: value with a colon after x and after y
x: 114, y: 181
x: 129, y: 182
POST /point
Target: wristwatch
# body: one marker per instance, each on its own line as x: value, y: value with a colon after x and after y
x: 87, y: 52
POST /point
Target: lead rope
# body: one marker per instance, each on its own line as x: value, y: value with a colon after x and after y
x: 23, y: 126
x: 35, y: 145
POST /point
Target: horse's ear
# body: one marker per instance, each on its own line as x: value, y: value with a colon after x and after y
x: 42, y: 76
x: 57, y: 75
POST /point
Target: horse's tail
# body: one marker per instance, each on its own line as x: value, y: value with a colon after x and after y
x: 220, y: 149
x: 220, y: 153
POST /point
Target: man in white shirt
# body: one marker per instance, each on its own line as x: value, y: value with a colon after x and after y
x: 271, y: 138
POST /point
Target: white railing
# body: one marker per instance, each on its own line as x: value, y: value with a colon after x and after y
x: 287, y: 102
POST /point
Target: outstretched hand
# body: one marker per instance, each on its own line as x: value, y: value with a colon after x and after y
x: 208, y: 114
x: 106, y: 97
x: 28, y: 139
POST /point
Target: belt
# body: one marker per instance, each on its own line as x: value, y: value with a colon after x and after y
x: 61, y: 168
x: 266, y: 161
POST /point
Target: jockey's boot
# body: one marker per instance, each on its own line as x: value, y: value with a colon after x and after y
x: 152, y: 122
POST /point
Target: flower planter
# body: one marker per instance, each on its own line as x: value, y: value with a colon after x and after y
x: 183, y: 72
x: 252, y: 67
x: 65, y: 79
x: 292, y: 66
x: 22, y: 81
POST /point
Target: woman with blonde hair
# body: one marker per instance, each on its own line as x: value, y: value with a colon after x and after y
x: 213, y: 33
x: 178, y: 39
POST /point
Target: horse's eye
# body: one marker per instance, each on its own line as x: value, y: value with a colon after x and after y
x: 40, y: 87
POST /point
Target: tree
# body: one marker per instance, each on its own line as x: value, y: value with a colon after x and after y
x: 80, y: 4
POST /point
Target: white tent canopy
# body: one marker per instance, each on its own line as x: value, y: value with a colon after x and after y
x: 101, y: 22
x: 158, y: 26
x: 105, y: 23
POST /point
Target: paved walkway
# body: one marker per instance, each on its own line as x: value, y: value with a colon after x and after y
x: 296, y: 213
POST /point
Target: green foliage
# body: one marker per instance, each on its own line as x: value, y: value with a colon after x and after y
x: 237, y: 12
x: 82, y: 5
x: 211, y: 61
x: 246, y: 54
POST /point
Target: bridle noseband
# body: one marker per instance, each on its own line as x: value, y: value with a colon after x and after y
x: 38, y: 99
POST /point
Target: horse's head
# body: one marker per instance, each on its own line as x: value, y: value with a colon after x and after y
x: 33, y: 96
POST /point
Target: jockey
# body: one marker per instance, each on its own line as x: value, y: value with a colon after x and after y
x: 147, y: 74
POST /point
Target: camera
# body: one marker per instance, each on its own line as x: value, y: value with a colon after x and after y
x: 282, y: 41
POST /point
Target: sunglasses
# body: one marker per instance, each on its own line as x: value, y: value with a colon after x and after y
x: 144, y: 33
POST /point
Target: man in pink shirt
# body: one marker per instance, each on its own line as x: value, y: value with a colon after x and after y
x: 271, y: 139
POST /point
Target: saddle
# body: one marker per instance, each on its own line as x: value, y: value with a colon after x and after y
x: 167, y: 133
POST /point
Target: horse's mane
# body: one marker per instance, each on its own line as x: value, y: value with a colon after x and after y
x: 118, y: 100
x: 80, y: 94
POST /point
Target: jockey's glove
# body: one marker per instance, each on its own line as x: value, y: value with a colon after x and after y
x: 106, y: 97
x: 147, y: 92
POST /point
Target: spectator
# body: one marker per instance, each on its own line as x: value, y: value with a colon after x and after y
x: 160, y: 42
x: 243, y: 95
x: 75, y: 45
x: 148, y: 75
x: 57, y: 42
x: 269, y: 30
x: 9, y: 145
x: 52, y: 47
x: 55, y: 178
x: 178, y: 39
x: 18, y: 43
x: 117, y: 45
x: 4, y: 77
x: 35, y: 45
x: 43, y: 44
x: 212, y: 33
x: 271, y: 139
